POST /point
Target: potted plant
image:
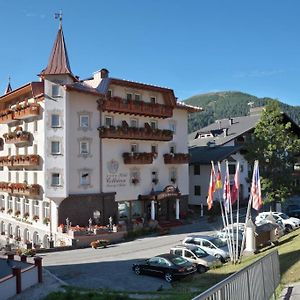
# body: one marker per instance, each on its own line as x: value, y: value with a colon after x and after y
x: 17, y: 213
x: 99, y: 243
x: 46, y: 220
x: 35, y: 218
x: 26, y: 215
x: 9, y: 211
x: 2, y: 209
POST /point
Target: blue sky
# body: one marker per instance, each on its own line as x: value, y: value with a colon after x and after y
x: 192, y: 46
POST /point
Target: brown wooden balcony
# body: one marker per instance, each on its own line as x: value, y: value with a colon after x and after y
x: 7, y: 116
x: 6, y: 161
x: 137, y: 158
x: 17, y: 137
x: 26, y: 111
x: 22, y: 189
x: 31, y: 160
x: 141, y: 108
x: 176, y: 158
x: 135, y: 133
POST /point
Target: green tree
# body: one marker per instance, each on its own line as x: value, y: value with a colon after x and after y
x: 275, y: 145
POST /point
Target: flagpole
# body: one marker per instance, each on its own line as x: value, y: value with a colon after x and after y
x: 237, y: 213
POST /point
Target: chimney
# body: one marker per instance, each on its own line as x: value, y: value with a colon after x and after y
x: 104, y: 73
x: 225, y: 131
x: 230, y: 120
x: 219, y: 123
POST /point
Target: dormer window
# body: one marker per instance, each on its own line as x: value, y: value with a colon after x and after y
x: 55, y: 90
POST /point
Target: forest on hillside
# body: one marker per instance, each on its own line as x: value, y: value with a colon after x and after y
x: 222, y: 105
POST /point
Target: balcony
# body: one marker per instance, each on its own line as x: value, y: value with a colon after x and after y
x: 141, y: 108
x: 26, y: 111
x: 135, y: 158
x: 135, y: 133
x: 176, y: 158
x: 21, y: 189
x: 17, y: 137
x: 31, y: 160
x: 7, y: 116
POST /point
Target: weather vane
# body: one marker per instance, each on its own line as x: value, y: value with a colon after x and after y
x: 59, y: 16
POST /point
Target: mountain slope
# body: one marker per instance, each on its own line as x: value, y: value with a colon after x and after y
x: 222, y: 105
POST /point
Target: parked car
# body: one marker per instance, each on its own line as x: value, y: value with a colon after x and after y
x: 281, y: 230
x: 168, y: 266
x: 212, y: 245
x: 288, y: 223
x: 196, y: 255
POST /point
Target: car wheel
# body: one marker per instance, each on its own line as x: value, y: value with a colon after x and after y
x: 288, y: 228
x: 201, y: 269
x: 219, y: 257
x: 168, y: 277
x: 137, y: 270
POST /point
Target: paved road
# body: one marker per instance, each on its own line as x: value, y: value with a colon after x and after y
x: 111, y: 267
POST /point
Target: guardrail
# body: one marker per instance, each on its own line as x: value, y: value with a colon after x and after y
x: 257, y: 281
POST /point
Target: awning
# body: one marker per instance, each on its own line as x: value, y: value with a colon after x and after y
x: 169, y: 191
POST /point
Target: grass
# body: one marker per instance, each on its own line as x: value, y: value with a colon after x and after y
x: 289, y: 259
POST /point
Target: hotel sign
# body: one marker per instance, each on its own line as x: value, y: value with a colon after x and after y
x: 113, y: 177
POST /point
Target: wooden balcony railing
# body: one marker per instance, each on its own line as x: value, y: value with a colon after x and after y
x: 6, y: 116
x: 142, y: 158
x: 17, y: 137
x: 135, y: 133
x: 27, y: 111
x: 176, y: 158
x: 119, y: 105
x: 22, y: 189
x: 30, y: 160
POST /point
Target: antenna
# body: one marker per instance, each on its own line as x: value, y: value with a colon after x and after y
x: 59, y: 16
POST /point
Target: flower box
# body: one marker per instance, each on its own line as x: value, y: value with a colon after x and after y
x: 99, y: 243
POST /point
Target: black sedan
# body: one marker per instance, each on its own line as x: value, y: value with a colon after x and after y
x: 168, y: 265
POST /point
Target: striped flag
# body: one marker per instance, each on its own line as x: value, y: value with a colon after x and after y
x: 219, y: 184
x: 256, y: 188
x: 212, y: 186
x: 236, y: 185
x: 226, y: 191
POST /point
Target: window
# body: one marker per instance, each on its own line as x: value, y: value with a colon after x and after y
x: 231, y: 169
x: 17, y: 151
x: 84, y: 178
x: 26, y: 150
x: 35, y: 126
x: 35, y: 149
x: 55, y: 90
x: 197, y: 169
x: 154, y: 148
x: 9, y: 176
x: 55, y: 179
x: 17, y: 177
x: 2, y: 201
x: 108, y: 121
x: 84, y: 147
x: 109, y: 93
x: 172, y: 149
x: 10, y: 202
x: 137, y: 97
x: 153, y: 124
x: 134, y: 148
x: 25, y: 177
x: 47, y: 210
x: 134, y: 176
x: 55, y: 121
x: 133, y: 123
x: 18, y: 205
x: 35, y: 176
x: 173, y: 175
x: 172, y: 126
x: 9, y: 151
x: 36, y: 208
x: 128, y: 96
x: 241, y: 168
x: 197, y: 190
x: 25, y: 126
x: 26, y: 207
x: 55, y: 147
x: 154, y: 177
x: 84, y: 121
x: 153, y: 100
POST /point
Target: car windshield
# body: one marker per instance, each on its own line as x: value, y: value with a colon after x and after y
x: 199, y: 252
x: 218, y: 242
x: 283, y: 216
x: 179, y: 261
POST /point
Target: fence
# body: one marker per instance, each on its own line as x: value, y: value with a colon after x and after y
x: 257, y: 281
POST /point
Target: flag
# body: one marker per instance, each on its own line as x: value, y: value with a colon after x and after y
x: 219, y: 178
x: 226, y: 191
x: 255, y: 188
x: 211, y: 189
x: 236, y: 185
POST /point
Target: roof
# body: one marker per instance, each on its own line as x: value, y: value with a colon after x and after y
x: 205, y: 154
x: 58, y: 61
x: 82, y: 87
x: 188, y: 108
x: 8, y: 88
x: 233, y: 127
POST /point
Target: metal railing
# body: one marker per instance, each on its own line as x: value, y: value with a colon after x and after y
x: 257, y: 281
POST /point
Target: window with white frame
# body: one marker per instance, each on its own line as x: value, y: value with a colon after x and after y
x: 35, y: 149
x: 173, y: 175
x: 154, y: 148
x: 84, y: 177
x: 153, y: 124
x: 25, y: 177
x: 172, y: 126
x: 17, y: 177
x: 35, y: 177
x: 134, y: 176
x: 36, y: 208
x: 26, y: 206
x: 84, y: 121
x: 46, y: 210
x: 134, y: 123
x: 55, y: 121
x: 84, y: 147
x: 172, y: 148
x: 9, y: 151
x: 55, y: 90
x: 137, y: 97
x: 10, y: 202
x: 18, y: 205
x: 134, y: 148
x: 153, y: 100
x: 55, y: 147
x: 9, y: 176
x: 154, y: 176
x: 26, y: 150
x: 55, y: 179
x: 108, y: 121
x: 35, y: 125
x: 2, y: 202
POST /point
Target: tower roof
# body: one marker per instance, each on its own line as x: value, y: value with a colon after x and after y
x: 58, y: 61
x: 8, y: 88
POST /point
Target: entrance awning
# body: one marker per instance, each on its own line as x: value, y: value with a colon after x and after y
x: 169, y: 191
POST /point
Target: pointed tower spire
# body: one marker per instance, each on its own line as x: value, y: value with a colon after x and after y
x: 58, y: 61
x: 8, y: 88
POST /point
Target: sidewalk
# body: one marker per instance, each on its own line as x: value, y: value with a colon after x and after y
x: 291, y: 292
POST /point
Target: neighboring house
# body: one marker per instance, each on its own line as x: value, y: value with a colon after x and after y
x: 220, y: 141
x: 93, y: 148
